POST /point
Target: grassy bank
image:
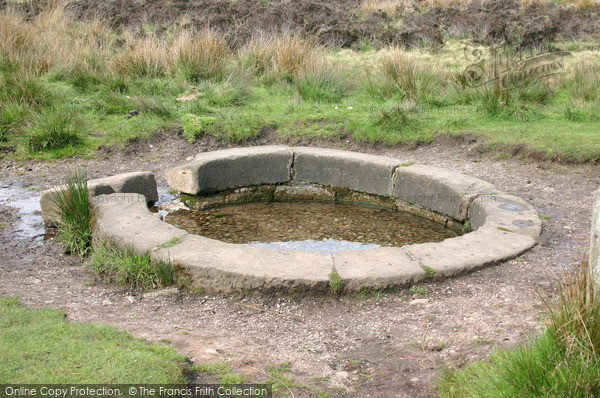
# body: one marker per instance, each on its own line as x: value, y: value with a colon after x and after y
x: 40, y: 346
x: 563, y: 362
x: 69, y: 87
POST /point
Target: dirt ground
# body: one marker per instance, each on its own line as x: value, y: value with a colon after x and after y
x: 376, y: 346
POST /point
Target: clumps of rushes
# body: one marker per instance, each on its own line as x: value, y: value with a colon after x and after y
x: 515, y: 96
x: 202, y: 55
x: 154, y: 104
x: 400, y: 74
x: 53, y: 128
x: 293, y: 54
x: 233, y: 90
x: 584, y: 82
x: 71, y: 203
x: 21, y: 86
x: 142, y: 57
x: 12, y: 116
x: 322, y: 83
x: 280, y: 57
x: 396, y: 118
x: 579, y: 111
x: 257, y: 55
x: 127, y: 268
x: 16, y: 41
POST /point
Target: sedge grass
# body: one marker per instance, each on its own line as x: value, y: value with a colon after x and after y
x: 71, y: 202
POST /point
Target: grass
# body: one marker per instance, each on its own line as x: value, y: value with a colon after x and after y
x: 123, y: 266
x: 429, y: 272
x: 562, y: 362
x: 199, y: 56
x: 52, y: 129
x: 41, y: 346
x: 222, y: 370
x: 71, y: 203
x: 71, y: 87
x: 336, y: 282
x: 418, y: 290
x: 322, y: 84
x: 195, y: 126
x: 232, y: 91
x: 172, y: 242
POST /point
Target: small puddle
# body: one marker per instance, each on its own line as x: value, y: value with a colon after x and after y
x: 30, y: 224
x: 325, y: 227
x: 27, y: 202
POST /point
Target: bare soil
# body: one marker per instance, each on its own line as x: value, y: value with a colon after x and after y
x: 381, y: 345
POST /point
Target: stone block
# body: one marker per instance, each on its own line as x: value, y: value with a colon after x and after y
x: 444, y: 191
x: 352, y: 170
x: 232, y: 168
x: 143, y: 183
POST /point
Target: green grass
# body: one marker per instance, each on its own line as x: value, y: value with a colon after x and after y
x: 323, y: 84
x: 393, y: 99
x: 172, y: 242
x: 195, y: 126
x: 418, y: 290
x: 54, y: 129
x: 222, y: 370
x: 128, y: 268
x: 72, y: 206
x: 232, y: 91
x: 41, y: 346
x: 336, y: 283
x: 562, y: 362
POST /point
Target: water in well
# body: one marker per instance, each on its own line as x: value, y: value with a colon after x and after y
x: 325, y: 227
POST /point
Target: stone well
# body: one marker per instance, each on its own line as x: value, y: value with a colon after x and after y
x: 501, y: 225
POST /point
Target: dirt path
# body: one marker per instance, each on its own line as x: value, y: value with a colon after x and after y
x: 378, y: 346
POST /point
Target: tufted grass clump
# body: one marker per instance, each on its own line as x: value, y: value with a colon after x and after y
x: 71, y: 203
x: 584, y: 82
x: 322, y: 83
x: 53, y: 128
x: 21, y: 86
x: 127, y: 268
x: 200, y: 55
x: 232, y: 91
x: 400, y: 74
x: 144, y: 57
x: 12, y: 115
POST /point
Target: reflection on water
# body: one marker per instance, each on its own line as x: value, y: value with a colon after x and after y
x: 30, y: 225
x: 316, y: 226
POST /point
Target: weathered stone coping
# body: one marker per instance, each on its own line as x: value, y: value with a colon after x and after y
x: 434, y: 188
x: 142, y: 182
x: 223, y: 267
x: 503, y: 225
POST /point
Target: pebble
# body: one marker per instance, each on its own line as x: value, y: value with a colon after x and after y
x: 341, y: 375
x: 161, y: 292
x: 419, y: 301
